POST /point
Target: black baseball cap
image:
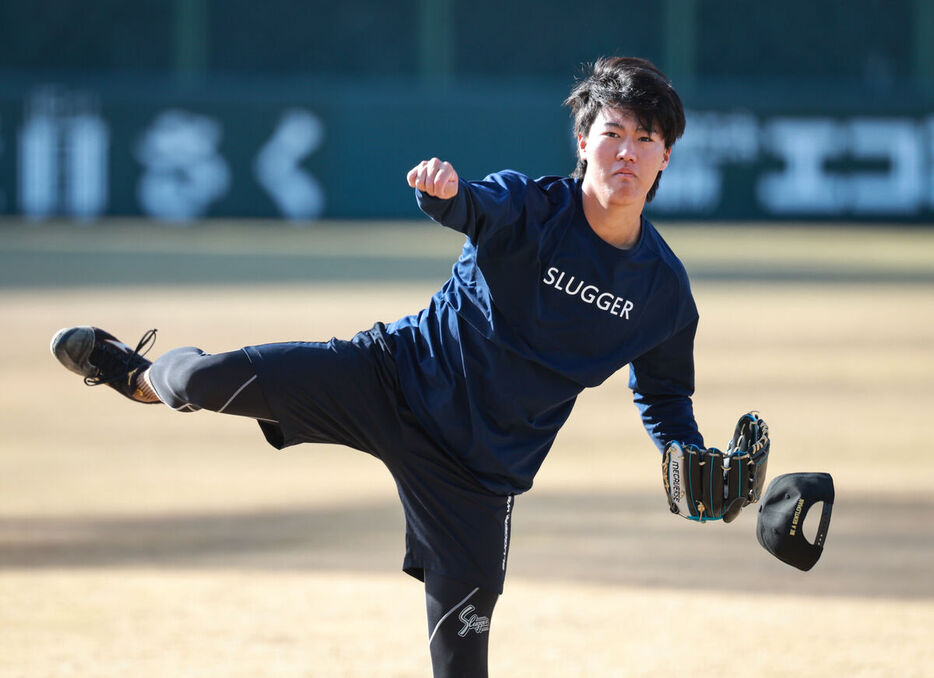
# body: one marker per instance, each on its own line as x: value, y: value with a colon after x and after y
x: 781, y: 516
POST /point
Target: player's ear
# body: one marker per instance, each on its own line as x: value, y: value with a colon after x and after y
x: 581, y: 146
x: 665, y: 158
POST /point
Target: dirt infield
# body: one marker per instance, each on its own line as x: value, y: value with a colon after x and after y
x: 135, y: 540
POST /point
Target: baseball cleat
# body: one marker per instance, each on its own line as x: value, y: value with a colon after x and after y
x: 101, y: 358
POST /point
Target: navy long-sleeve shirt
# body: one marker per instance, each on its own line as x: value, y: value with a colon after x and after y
x: 538, y: 307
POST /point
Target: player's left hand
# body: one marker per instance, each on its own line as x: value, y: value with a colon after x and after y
x: 435, y: 177
x: 709, y: 484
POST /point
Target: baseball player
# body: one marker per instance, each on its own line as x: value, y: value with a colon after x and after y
x: 561, y: 282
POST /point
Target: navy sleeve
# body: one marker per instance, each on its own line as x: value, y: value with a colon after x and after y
x: 480, y: 207
x: 662, y: 382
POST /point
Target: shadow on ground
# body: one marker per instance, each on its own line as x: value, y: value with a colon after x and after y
x: 876, y: 547
x: 43, y: 269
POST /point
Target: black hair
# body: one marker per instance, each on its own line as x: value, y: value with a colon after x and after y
x: 631, y: 84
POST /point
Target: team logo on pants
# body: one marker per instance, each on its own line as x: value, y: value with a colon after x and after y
x: 472, y: 622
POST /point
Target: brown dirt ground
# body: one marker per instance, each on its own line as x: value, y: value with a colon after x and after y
x: 135, y: 540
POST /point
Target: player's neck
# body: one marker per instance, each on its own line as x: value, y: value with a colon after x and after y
x: 619, y: 225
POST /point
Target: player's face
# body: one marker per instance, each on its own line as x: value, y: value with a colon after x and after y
x: 623, y: 158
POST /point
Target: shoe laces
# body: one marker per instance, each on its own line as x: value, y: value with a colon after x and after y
x: 112, y: 363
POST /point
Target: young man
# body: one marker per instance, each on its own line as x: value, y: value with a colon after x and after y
x: 561, y: 282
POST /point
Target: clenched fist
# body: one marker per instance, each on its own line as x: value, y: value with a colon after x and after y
x: 435, y: 177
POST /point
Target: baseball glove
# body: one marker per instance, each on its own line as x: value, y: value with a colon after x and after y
x: 709, y: 484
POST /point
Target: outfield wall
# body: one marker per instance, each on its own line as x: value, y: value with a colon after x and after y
x: 310, y: 149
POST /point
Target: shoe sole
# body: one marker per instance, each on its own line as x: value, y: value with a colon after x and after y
x: 72, y: 347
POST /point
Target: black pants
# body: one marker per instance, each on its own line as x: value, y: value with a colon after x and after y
x: 188, y: 379
x: 459, y: 614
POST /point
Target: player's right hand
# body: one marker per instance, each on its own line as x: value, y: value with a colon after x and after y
x: 435, y: 177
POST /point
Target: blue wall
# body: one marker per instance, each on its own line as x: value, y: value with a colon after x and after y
x: 301, y: 109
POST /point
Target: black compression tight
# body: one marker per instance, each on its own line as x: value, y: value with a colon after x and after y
x: 459, y: 617
x: 188, y: 379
